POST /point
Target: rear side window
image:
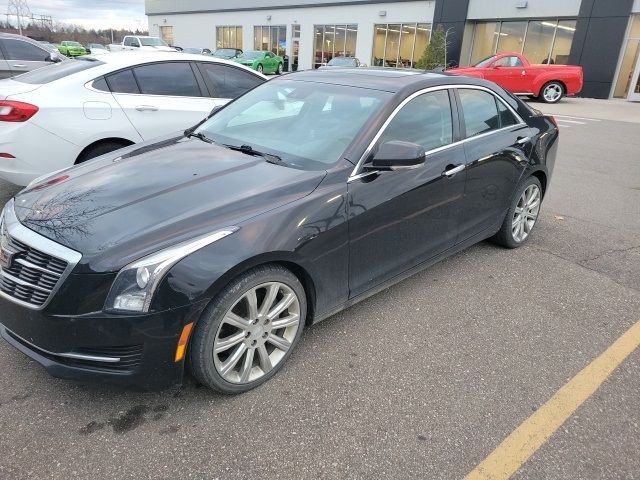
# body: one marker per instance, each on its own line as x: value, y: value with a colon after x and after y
x: 123, y: 82
x: 19, y: 50
x: 56, y: 71
x: 175, y: 79
x: 100, y: 84
x: 425, y: 120
x: 479, y: 110
x: 226, y: 81
x: 506, y: 117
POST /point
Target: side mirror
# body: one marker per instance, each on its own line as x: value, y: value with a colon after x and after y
x: 53, y: 57
x: 397, y: 155
x: 496, y: 67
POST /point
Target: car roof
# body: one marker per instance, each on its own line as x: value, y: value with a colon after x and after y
x: 128, y: 59
x: 377, y: 78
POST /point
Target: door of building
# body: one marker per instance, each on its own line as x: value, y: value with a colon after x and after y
x: 634, y: 88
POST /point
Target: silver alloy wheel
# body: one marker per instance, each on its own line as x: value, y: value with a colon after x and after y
x: 256, y: 332
x: 526, y: 213
x: 552, y: 92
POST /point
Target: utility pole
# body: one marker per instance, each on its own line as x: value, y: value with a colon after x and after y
x: 20, y: 9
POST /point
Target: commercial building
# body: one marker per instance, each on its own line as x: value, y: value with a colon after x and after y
x: 601, y: 35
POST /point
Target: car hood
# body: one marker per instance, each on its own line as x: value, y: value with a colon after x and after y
x: 122, y: 206
x: 467, y: 71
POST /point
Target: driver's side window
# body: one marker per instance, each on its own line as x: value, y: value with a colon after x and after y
x: 425, y: 120
x: 508, y: 62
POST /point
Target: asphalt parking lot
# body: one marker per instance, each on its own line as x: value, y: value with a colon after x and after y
x: 423, y: 380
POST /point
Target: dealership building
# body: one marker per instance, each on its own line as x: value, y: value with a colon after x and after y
x: 603, y: 36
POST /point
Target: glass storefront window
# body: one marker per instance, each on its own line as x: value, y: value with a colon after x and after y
x: 484, y: 40
x: 272, y: 38
x: 334, y: 41
x: 630, y: 59
x: 229, y: 37
x: 541, y: 41
x: 563, y: 41
x: 399, y: 44
x: 511, y: 36
x: 295, y: 52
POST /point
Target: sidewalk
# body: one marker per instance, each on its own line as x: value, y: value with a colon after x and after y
x: 614, y: 109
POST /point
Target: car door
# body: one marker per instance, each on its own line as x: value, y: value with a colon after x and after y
x: 398, y: 219
x: 497, y: 148
x: 161, y: 97
x: 271, y: 62
x: 23, y: 56
x: 226, y: 82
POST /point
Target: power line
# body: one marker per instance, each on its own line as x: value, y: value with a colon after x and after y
x: 19, y: 9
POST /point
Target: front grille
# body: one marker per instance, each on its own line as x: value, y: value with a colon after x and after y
x: 32, y: 275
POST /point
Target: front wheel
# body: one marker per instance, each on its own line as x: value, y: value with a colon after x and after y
x: 279, y: 69
x: 552, y: 92
x: 247, y: 333
x: 259, y: 68
x: 522, y: 215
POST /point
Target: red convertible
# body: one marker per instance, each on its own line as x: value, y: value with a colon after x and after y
x: 513, y: 72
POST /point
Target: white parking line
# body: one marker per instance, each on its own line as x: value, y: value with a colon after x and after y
x: 575, y: 118
x: 571, y: 121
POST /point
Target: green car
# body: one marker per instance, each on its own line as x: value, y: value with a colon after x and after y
x: 263, y: 62
x: 71, y: 49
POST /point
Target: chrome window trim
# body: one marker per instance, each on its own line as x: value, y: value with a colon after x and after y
x: 32, y: 239
x: 357, y: 173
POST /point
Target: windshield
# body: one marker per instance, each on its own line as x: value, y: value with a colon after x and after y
x: 152, y: 42
x: 225, y: 52
x: 485, y: 62
x: 55, y: 71
x: 251, y: 54
x: 72, y: 44
x: 97, y: 45
x: 308, y: 125
x: 191, y: 50
x: 342, y: 62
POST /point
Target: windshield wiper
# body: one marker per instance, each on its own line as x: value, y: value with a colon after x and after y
x: 249, y: 150
x: 199, y: 135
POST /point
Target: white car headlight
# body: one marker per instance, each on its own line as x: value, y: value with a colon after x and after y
x: 136, y: 283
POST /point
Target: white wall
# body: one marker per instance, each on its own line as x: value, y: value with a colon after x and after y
x: 199, y: 29
x: 492, y: 9
x: 636, y: 6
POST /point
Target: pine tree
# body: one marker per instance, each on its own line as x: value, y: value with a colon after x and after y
x: 435, y: 54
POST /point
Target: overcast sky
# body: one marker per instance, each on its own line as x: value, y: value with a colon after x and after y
x: 92, y: 13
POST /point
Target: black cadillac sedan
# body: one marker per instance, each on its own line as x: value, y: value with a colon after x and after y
x: 215, y: 248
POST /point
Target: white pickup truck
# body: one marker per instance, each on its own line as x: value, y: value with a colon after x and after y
x: 138, y: 42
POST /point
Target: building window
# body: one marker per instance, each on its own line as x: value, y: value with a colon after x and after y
x: 399, y: 44
x: 272, y: 38
x: 630, y: 57
x: 229, y: 37
x: 334, y: 41
x: 166, y: 34
x: 541, y: 41
x: 295, y: 51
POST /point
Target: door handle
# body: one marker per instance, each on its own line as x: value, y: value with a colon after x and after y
x: 19, y: 65
x: 146, y: 108
x: 523, y: 140
x: 453, y: 169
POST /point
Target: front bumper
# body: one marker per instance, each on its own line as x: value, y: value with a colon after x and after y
x: 85, y: 347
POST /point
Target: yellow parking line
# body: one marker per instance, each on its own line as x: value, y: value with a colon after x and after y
x: 525, y: 440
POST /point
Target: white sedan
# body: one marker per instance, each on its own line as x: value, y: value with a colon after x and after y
x: 66, y: 113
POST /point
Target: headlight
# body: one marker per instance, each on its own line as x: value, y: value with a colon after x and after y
x: 136, y: 283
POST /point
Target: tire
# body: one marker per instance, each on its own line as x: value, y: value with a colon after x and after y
x: 552, y: 92
x: 527, y: 216
x: 260, y: 68
x: 100, y: 149
x: 279, y: 69
x: 226, y: 327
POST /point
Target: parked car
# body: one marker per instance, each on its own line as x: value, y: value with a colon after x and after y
x: 196, y: 50
x: 71, y: 49
x: 84, y: 108
x: 513, y: 72
x: 300, y: 198
x: 343, y: 62
x: 263, y: 62
x: 227, y: 53
x: 95, y: 48
x: 140, y: 42
x: 20, y: 54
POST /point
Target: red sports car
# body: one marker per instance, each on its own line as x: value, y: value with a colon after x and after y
x: 513, y: 72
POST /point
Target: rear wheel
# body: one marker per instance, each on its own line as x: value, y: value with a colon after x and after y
x: 552, y: 92
x: 260, y: 68
x: 522, y: 215
x: 245, y: 336
x: 279, y: 69
x: 100, y: 149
